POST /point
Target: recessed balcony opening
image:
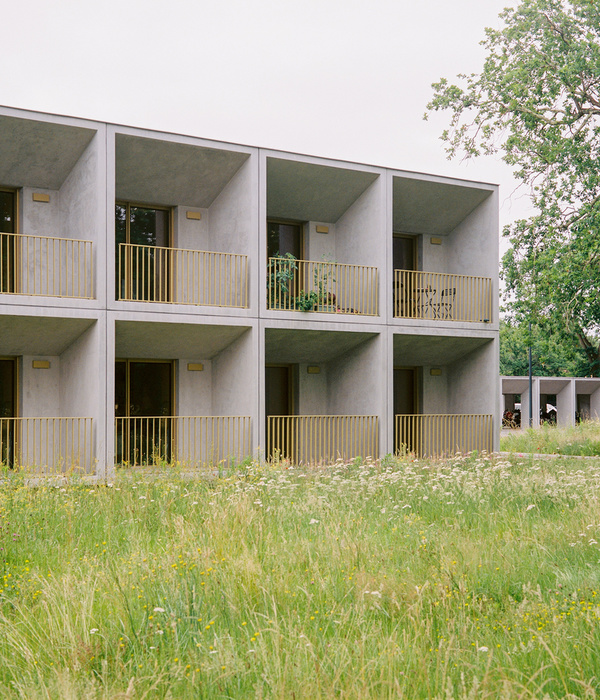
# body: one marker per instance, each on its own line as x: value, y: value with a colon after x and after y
x: 48, y: 395
x: 174, y: 407
x: 183, y: 223
x: 321, y: 224
x: 311, y: 379
x: 442, y: 269
x: 49, y: 204
x: 439, y: 407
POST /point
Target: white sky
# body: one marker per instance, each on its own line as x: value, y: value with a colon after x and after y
x: 345, y: 79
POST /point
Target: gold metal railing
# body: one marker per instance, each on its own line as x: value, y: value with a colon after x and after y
x: 47, y: 445
x: 317, y: 439
x: 44, y: 266
x: 306, y: 285
x: 178, y: 276
x: 436, y: 435
x: 190, y: 441
x: 441, y: 296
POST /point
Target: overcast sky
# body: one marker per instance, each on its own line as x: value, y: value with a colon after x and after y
x: 346, y: 79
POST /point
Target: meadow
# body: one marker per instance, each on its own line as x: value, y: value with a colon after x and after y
x: 475, y: 577
x: 581, y: 439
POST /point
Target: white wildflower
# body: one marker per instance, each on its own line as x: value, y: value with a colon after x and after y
x: 313, y: 522
x: 94, y: 630
x: 159, y: 609
x: 530, y: 506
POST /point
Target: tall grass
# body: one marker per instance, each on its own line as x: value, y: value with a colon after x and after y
x: 581, y: 439
x: 473, y: 577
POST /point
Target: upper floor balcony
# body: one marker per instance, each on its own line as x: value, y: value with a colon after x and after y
x: 326, y: 287
x: 46, y: 266
x: 183, y: 222
x: 435, y: 296
x: 51, y: 207
x: 180, y: 276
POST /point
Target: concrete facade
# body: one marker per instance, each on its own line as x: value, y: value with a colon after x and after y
x: 220, y: 197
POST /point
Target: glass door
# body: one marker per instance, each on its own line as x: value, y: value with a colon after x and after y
x: 144, y: 268
x: 8, y: 248
x: 144, y: 411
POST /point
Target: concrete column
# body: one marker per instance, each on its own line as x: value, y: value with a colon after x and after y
x: 566, y: 404
x: 535, y: 404
x: 595, y: 405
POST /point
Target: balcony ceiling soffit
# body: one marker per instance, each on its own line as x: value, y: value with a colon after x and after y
x: 309, y: 192
x: 35, y: 335
x: 148, y: 340
x: 167, y: 173
x: 419, y: 350
x: 39, y: 154
x: 306, y: 346
x: 436, y: 208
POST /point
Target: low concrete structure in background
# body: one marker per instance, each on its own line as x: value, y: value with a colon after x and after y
x: 573, y: 397
x: 165, y: 298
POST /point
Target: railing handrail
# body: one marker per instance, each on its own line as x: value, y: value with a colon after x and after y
x: 323, y: 262
x: 447, y: 274
x: 52, y: 238
x: 183, y: 250
x: 46, y: 418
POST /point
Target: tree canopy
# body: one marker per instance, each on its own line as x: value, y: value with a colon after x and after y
x: 537, y: 102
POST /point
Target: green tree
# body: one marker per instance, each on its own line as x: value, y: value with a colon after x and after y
x: 537, y: 101
x: 553, y: 352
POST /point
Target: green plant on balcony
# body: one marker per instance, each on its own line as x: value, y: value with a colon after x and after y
x: 319, y: 298
x: 281, y: 271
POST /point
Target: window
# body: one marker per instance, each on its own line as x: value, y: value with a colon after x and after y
x: 143, y: 239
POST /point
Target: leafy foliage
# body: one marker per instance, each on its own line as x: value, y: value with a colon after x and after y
x: 553, y: 352
x: 537, y: 100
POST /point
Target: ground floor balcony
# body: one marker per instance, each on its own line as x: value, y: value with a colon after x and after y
x: 179, y: 276
x: 326, y: 287
x: 322, y: 439
x: 45, y: 266
x: 438, y: 435
x: 183, y: 441
x: 47, y: 446
x: 436, y: 296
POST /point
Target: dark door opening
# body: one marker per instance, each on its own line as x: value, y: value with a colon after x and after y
x: 404, y: 257
x: 405, y: 404
x: 278, y: 403
x: 143, y: 411
x: 8, y: 247
x: 8, y: 411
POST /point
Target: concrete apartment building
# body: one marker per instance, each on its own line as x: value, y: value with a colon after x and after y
x: 165, y: 298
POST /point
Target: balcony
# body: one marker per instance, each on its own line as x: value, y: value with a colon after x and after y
x: 327, y: 287
x: 321, y: 439
x: 45, y: 266
x: 179, y: 276
x: 187, y: 441
x: 47, y: 446
x: 439, y: 435
x: 435, y: 296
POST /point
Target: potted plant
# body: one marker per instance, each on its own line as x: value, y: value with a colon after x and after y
x: 281, y: 271
x: 323, y: 278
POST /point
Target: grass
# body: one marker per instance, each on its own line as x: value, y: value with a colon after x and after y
x: 472, y: 577
x: 582, y: 439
